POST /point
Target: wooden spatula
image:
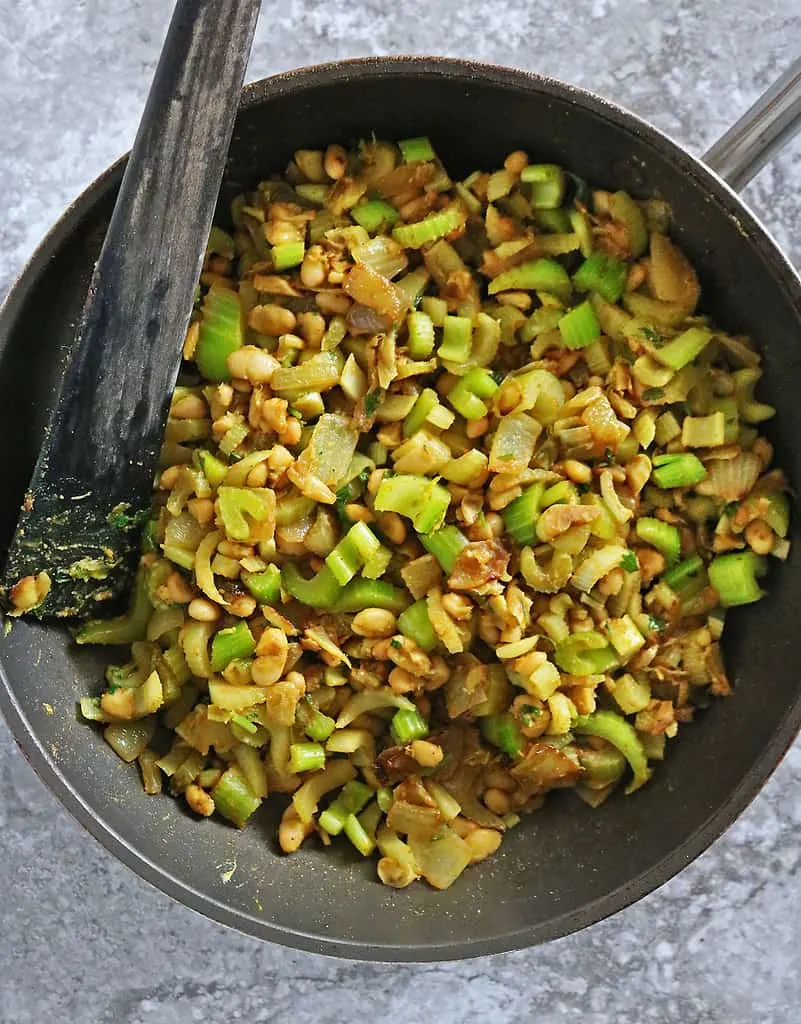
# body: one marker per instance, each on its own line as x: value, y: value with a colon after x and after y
x: 91, y: 487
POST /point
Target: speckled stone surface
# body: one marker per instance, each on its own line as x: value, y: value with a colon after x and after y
x: 83, y: 941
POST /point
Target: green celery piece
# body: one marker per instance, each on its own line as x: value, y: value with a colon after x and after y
x: 457, y: 338
x: 543, y: 275
x: 344, y: 561
x: 520, y: 516
x: 436, y: 225
x: 231, y: 644
x: 315, y: 724
x: 306, y: 757
x: 616, y: 730
x: 427, y: 400
x: 234, y: 502
x: 734, y: 576
x: 213, y: 469
x: 264, y: 586
x: 682, y: 469
x: 221, y: 333
x: 415, y: 623
x: 375, y: 215
x: 547, y: 185
x: 421, y: 334
x: 602, y: 273
x: 624, y: 209
x: 423, y: 501
x: 408, y: 725
x: 503, y: 732
x: 287, y: 255
x: 579, y: 327
x: 444, y: 544
x: 419, y: 148
x: 584, y: 654
x: 684, y: 348
x: 601, y: 767
x: 356, y: 833
x: 663, y: 536
x: 124, y: 629
x: 322, y: 591
x: 364, y: 593
x: 233, y: 798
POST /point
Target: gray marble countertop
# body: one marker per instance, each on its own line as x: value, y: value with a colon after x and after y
x: 86, y: 942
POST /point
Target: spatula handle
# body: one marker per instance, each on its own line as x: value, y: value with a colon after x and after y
x: 115, y: 393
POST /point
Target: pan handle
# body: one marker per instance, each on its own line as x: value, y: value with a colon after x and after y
x: 761, y: 132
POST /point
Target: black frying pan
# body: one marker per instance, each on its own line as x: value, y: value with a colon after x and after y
x: 567, y: 866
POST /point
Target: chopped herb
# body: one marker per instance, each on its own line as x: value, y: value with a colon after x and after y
x: 653, y: 394
x: 396, y: 643
x: 298, y: 415
x: 730, y: 508
x: 609, y: 458
x: 629, y: 562
x: 652, y: 335
x: 655, y: 623
x: 372, y: 401
x: 498, y: 376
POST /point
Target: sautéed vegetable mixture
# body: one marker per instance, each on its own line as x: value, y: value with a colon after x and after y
x: 455, y: 493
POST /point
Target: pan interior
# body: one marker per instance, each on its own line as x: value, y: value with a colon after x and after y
x: 567, y: 865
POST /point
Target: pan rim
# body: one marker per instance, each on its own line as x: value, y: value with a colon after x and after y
x: 258, y: 93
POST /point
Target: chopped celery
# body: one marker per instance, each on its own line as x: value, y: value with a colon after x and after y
x: 231, y: 644
x: 734, y: 576
x: 616, y: 730
x: 415, y: 623
x: 306, y: 757
x: 579, y: 327
x: 541, y: 275
x: 322, y: 591
x: 423, y: 501
x: 427, y: 400
x: 457, y: 334
x: 355, y: 831
x: 436, y: 225
x: 264, y: 586
x: 547, y: 185
x: 676, y: 576
x: 213, y: 469
x: 520, y: 516
x: 682, y: 349
x: 315, y: 724
x: 602, y: 273
x: 663, y: 536
x: 584, y: 654
x: 233, y: 797
x: 467, y: 394
x: 419, y: 148
x: 375, y: 215
x: 288, y: 254
x: 408, y: 725
x: 704, y: 431
x: 678, y: 470
x: 221, y: 332
x: 364, y: 593
x: 503, y: 732
x: 421, y: 334
x: 235, y: 503
x: 124, y: 629
x: 444, y: 544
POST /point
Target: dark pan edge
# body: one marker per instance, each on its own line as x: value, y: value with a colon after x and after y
x: 563, y: 925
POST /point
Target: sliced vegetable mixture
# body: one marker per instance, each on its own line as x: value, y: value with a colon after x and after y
x: 455, y: 493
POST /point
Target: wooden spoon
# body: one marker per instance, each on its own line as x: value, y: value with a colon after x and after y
x: 92, y: 485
